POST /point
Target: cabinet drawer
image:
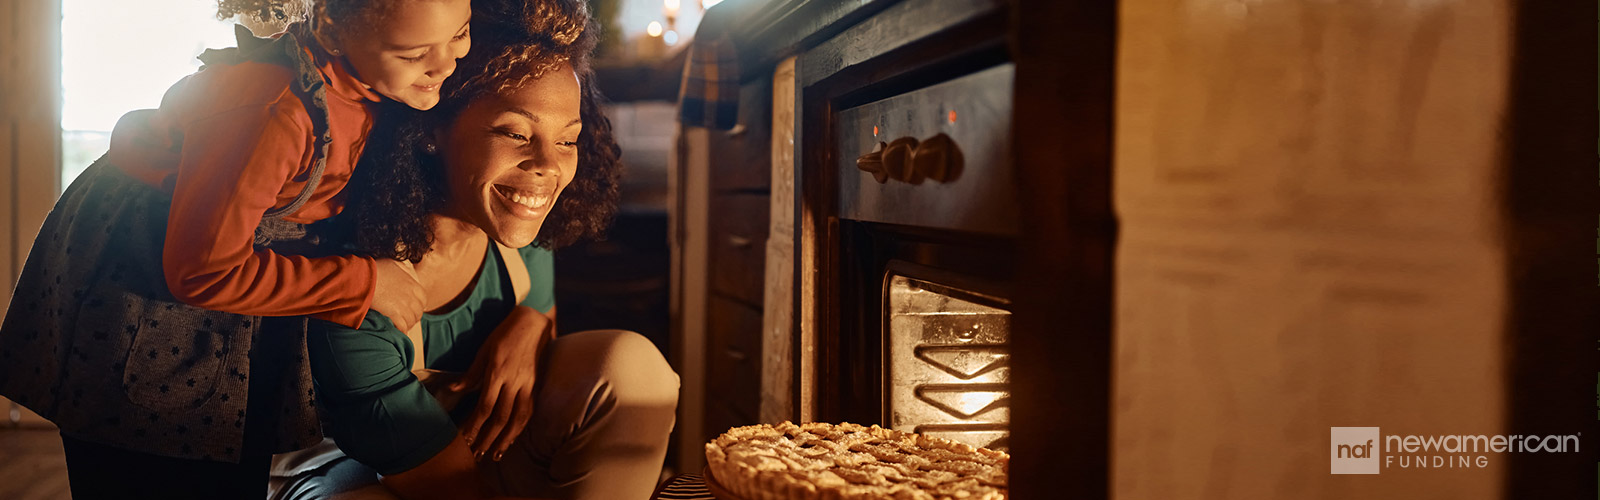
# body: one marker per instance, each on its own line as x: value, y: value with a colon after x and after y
x: 741, y: 159
x: 733, y: 354
x: 974, y: 113
x: 738, y: 245
x: 720, y: 417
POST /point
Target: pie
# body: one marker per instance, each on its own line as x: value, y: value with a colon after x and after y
x: 849, y: 461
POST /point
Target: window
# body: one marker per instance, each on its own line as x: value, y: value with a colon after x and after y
x: 121, y: 55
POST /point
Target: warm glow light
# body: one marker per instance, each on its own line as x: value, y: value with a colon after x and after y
x: 975, y: 402
x: 101, y: 80
x: 874, y: 130
x: 671, y: 37
x: 672, y: 5
x: 952, y: 116
x: 654, y: 29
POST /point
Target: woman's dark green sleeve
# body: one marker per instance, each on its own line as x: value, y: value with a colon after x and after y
x: 376, y: 409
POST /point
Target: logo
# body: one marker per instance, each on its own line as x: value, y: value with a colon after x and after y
x: 1361, y: 450
x: 1355, y: 450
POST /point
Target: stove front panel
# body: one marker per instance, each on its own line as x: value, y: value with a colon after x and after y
x: 968, y: 118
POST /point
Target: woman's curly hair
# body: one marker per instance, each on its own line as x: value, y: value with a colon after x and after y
x: 399, y: 183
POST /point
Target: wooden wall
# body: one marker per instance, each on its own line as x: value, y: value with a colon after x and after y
x: 30, y: 134
x: 1316, y: 231
x: 30, y: 126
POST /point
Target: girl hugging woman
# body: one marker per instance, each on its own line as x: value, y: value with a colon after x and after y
x: 481, y: 399
x: 159, y: 321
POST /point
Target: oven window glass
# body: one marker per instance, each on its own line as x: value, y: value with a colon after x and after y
x: 948, y: 362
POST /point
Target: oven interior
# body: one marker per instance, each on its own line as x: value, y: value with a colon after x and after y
x: 921, y: 332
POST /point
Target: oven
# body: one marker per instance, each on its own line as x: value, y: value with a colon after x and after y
x: 924, y: 251
x: 943, y: 196
x: 953, y: 228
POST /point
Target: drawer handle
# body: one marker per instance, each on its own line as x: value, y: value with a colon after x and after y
x: 735, y: 355
x: 909, y: 160
x: 738, y: 241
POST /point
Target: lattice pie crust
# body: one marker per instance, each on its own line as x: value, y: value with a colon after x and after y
x: 849, y: 462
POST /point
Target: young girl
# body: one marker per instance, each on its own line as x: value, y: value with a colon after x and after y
x: 149, y: 322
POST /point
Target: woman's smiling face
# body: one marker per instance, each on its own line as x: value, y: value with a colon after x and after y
x: 508, y: 157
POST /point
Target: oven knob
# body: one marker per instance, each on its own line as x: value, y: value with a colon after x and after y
x: 938, y: 158
x: 897, y: 160
x: 873, y: 163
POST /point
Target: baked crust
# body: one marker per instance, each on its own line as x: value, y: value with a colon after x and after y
x: 852, y: 462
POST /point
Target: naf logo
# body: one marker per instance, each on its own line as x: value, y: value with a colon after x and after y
x: 1355, y: 450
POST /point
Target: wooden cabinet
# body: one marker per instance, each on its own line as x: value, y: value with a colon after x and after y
x: 738, y: 246
x: 741, y: 156
x: 733, y: 370
x: 736, y: 250
x: 721, y: 216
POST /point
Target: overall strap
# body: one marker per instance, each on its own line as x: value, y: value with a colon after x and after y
x: 517, y: 269
x: 419, y: 350
x: 309, y: 87
x: 521, y: 283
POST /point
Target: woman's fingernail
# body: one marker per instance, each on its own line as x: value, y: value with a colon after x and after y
x: 497, y: 456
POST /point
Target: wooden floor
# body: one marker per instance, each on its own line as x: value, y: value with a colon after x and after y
x: 31, y: 464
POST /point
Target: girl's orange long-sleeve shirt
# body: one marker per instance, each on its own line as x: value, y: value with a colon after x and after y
x: 230, y: 143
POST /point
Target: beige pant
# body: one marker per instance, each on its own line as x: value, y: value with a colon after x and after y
x: 603, y: 408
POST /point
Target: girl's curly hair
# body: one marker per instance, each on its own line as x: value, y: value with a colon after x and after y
x: 399, y: 184
x: 283, y: 11
x: 343, y: 16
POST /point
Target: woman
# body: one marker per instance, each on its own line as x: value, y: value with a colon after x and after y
x: 522, y: 151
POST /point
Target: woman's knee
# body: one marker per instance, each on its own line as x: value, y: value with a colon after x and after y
x: 630, y: 365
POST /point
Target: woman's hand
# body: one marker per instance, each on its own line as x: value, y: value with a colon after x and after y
x: 399, y: 294
x: 506, y: 368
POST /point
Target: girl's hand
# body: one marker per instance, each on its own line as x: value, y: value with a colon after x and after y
x: 506, y: 368
x: 399, y: 294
